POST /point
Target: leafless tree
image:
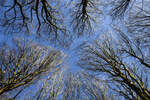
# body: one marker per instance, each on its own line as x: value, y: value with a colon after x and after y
x: 52, y: 87
x: 82, y: 86
x: 81, y: 14
x: 23, y: 64
x: 123, y: 63
x: 27, y: 15
x: 120, y: 8
x: 139, y: 25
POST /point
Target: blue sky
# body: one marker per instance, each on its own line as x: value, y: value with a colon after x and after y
x: 102, y: 27
x: 70, y: 52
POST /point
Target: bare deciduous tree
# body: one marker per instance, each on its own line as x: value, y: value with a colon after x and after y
x: 40, y: 14
x: 82, y: 15
x: 122, y: 62
x: 120, y: 9
x: 22, y: 65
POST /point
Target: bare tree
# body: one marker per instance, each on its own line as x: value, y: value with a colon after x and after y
x: 83, y: 86
x: 22, y: 65
x: 123, y: 63
x: 120, y: 8
x: 95, y: 88
x: 27, y: 15
x: 139, y: 25
x: 82, y: 18
x: 52, y: 87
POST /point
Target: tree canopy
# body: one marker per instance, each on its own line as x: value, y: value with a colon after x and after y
x: 42, y: 40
